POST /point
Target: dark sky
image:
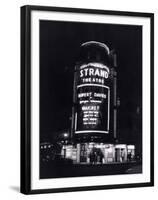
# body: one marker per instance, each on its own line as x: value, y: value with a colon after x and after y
x: 59, y: 49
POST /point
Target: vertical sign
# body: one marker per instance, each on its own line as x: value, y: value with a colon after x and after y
x: 93, y: 99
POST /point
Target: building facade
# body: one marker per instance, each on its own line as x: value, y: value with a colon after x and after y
x: 95, y: 106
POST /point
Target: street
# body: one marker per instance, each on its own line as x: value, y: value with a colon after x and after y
x: 52, y: 170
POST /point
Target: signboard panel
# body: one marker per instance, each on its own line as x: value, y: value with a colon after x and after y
x: 93, y: 99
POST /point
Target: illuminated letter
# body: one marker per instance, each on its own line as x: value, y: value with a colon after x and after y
x: 97, y: 72
x: 102, y: 73
x: 106, y: 74
x: 91, y: 72
x: 86, y: 71
x: 81, y: 73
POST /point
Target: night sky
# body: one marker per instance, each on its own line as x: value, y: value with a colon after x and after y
x: 59, y: 49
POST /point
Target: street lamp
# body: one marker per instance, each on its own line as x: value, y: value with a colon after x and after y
x: 65, y: 135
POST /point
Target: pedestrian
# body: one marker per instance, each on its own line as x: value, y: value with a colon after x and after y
x: 95, y: 157
x: 101, y: 156
x: 129, y: 156
x: 91, y: 157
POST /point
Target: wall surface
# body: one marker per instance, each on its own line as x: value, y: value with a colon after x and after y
x: 10, y: 99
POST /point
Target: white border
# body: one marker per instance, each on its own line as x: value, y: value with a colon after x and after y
x: 36, y: 183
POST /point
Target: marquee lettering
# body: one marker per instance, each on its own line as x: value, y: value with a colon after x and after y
x: 94, y: 72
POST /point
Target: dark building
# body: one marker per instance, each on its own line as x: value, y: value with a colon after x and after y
x: 95, y: 107
x: 94, y: 99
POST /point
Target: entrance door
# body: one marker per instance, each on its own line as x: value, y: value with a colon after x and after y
x: 117, y: 155
x: 83, y: 153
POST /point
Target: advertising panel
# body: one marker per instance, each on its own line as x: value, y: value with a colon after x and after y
x: 93, y: 99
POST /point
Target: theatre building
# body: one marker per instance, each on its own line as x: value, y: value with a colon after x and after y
x: 95, y: 107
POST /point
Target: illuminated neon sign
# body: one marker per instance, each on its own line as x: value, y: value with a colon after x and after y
x: 93, y: 99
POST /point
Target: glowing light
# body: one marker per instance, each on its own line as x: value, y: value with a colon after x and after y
x: 94, y: 72
x: 91, y: 84
x: 65, y: 134
x: 99, y: 65
x: 92, y: 131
